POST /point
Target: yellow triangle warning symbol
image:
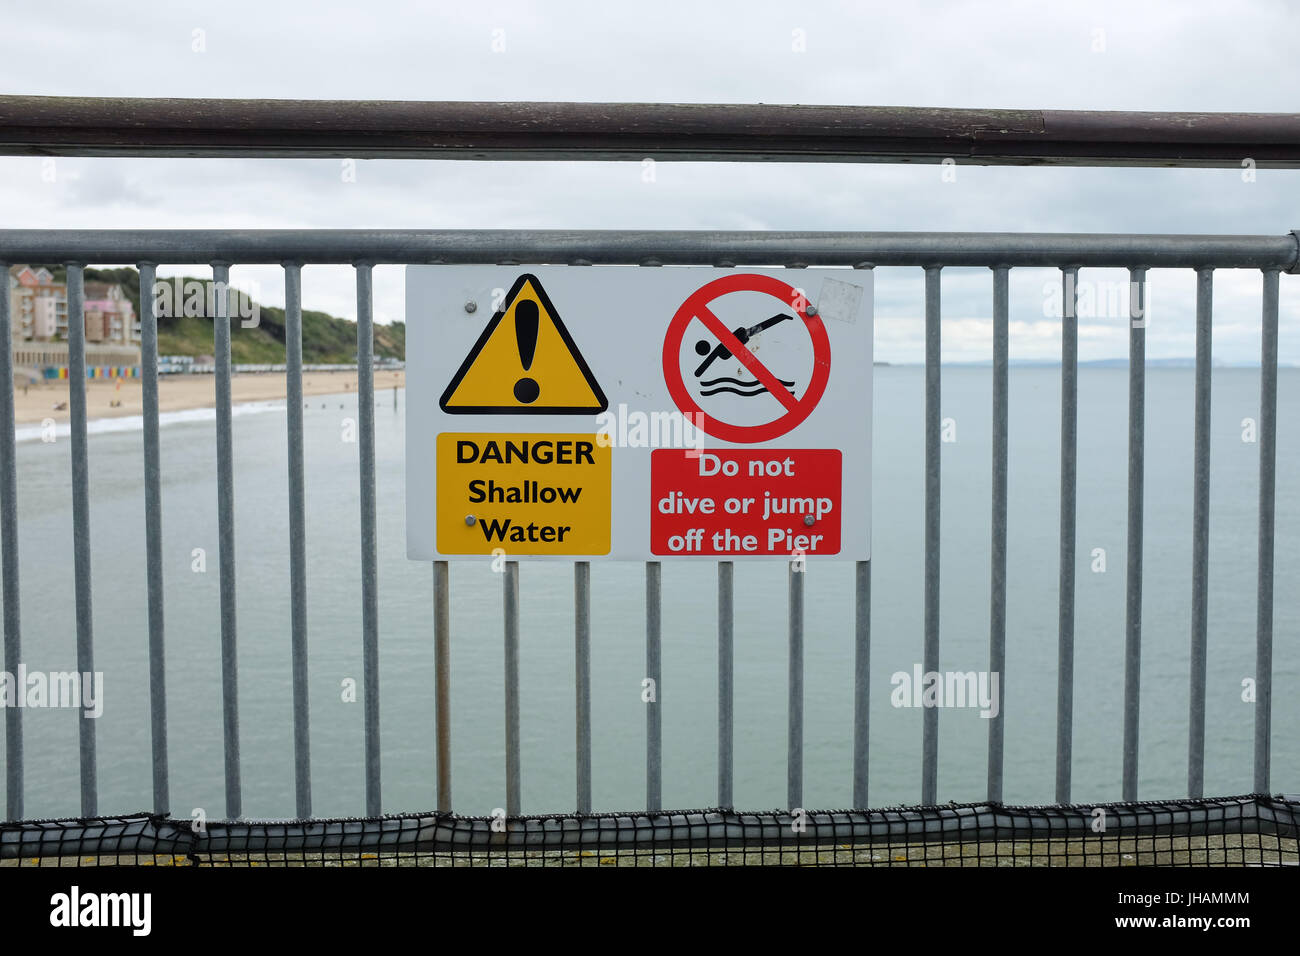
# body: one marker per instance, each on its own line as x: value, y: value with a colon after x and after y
x: 524, y: 363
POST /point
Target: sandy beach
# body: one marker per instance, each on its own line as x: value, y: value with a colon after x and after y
x: 112, y: 398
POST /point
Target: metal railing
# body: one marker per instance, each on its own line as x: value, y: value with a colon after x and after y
x: 551, y: 131
x: 1270, y: 255
x: 81, y: 126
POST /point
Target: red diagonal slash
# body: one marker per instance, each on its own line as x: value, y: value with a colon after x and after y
x: 747, y: 358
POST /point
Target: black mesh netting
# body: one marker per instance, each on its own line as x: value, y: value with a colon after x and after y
x: 1228, y: 831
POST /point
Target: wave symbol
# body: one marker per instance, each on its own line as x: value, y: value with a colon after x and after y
x: 744, y: 389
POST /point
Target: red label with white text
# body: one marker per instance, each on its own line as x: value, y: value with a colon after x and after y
x: 771, y: 502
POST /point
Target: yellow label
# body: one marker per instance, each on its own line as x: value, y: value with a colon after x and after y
x: 527, y: 494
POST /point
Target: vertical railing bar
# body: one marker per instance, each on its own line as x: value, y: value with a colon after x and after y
x: 9, y: 558
x: 998, y: 545
x: 653, y: 661
x: 862, y: 665
x: 1133, y: 562
x: 1069, y: 485
x: 226, y: 538
x: 442, y: 680
x: 653, y: 666
x: 933, y: 427
x: 582, y: 679
x: 297, y: 539
x: 794, y: 738
x: 153, y: 535
x: 369, y: 561
x: 511, y: 613
x: 861, y: 682
x: 582, y: 667
x: 1200, y: 533
x: 1267, y: 487
x: 726, y: 681
x: 81, y: 519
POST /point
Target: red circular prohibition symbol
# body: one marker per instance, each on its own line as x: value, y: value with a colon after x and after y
x: 697, y: 306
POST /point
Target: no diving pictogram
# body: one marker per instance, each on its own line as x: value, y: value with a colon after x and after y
x: 698, y: 306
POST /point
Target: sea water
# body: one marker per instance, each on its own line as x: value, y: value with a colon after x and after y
x: 687, y: 692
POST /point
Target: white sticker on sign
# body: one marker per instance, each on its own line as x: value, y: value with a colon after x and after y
x: 839, y: 301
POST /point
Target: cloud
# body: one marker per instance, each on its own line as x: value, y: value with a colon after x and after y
x: 1188, y: 56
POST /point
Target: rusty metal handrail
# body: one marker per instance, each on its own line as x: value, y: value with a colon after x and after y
x: 362, y: 129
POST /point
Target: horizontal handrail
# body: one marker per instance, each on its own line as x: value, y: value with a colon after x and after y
x: 621, y: 247
x: 90, y: 126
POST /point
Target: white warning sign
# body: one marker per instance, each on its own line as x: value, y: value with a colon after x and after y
x: 693, y: 412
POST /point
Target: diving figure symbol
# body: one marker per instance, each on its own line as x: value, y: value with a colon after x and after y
x: 725, y: 383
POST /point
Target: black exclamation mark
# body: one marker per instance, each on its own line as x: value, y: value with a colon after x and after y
x: 526, y: 323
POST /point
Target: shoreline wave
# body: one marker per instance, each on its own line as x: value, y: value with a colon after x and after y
x: 132, y: 423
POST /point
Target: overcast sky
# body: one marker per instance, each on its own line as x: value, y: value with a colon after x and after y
x: 1101, y: 55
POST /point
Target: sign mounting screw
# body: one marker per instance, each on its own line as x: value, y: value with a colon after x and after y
x: 471, y: 306
x: 470, y: 519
